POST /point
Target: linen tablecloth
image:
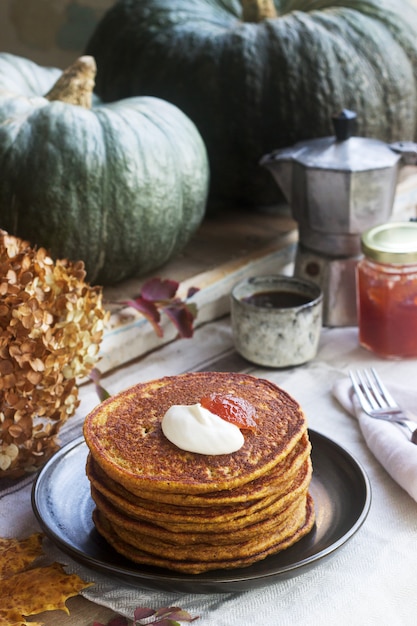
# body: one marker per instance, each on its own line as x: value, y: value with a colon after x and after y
x: 370, y: 580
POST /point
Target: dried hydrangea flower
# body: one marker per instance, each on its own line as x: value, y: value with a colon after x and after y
x: 51, y: 327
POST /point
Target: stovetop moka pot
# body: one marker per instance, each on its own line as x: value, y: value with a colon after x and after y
x: 337, y: 187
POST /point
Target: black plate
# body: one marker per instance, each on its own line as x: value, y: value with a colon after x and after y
x: 340, y: 489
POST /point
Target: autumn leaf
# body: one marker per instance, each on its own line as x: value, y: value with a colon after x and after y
x: 156, y: 289
x: 158, y: 296
x: 165, y: 616
x: 149, y: 311
x: 182, y: 316
x: 16, y: 556
x: 27, y: 590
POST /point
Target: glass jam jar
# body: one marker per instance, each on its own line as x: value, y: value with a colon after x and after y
x: 387, y: 290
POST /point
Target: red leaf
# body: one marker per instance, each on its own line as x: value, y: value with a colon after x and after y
x: 175, y: 613
x: 156, y: 295
x: 156, y: 289
x: 141, y: 612
x: 168, y: 616
x: 182, y: 318
x: 148, y: 310
x: 192, y: 291
x: 166, y: 611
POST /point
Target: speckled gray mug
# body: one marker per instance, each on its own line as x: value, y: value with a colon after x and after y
x: 276, y: 320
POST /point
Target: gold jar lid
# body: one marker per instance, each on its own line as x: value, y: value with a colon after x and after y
x: 391, y: 243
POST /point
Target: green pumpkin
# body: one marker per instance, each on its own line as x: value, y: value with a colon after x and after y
x: 258, y: 75
x: 121, y: 186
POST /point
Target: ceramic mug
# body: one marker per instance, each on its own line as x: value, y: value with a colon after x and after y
x: 276, y: 320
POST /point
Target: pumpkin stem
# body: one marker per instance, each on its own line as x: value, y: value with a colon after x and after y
x: 258, y: 10
x: 76, y: 83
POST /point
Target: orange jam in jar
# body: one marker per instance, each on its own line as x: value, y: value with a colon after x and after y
x: 387, y: 290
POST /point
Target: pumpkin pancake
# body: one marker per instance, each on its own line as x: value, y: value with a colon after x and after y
x: 271, y: 483
x: 160, y: 505
x: 194, y: 566
x: 258, y: 542
x: 205, y: 529
x: 125, y: 438
x: 146, y: 531
x: 209, y: 518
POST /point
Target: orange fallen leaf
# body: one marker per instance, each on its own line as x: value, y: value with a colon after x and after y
x: 16, y: 556
x: 28, y: 590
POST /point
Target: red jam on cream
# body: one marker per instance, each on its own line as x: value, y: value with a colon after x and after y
x: 196, y: 429
x: 231, y: 408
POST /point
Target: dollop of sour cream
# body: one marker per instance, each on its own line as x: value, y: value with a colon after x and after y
x: 195, y: 429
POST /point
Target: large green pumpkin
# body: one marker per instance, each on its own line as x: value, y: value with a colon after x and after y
x: 121, y: 186
x: 256, y: 75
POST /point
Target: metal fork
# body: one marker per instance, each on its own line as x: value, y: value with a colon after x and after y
x: 377, y: 402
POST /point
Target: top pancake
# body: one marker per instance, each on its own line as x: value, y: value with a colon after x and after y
x: 125, y: 437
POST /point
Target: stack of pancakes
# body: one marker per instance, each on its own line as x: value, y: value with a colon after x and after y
x: 160, y: 505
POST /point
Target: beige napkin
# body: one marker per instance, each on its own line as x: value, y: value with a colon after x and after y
x: 388, y: 442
